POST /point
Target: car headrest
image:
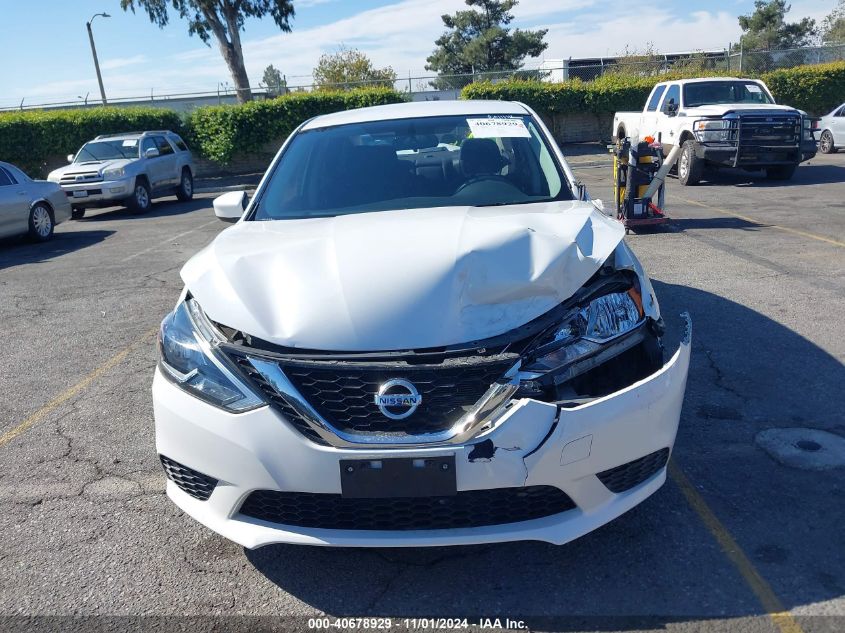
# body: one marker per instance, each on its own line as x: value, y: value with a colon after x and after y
x: 481, y: 156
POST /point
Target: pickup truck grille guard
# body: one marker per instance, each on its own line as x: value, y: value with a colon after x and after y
x: 753, y: 135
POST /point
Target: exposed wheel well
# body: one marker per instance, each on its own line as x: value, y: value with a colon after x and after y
x: 143, y: 178
x: 46, y: 204
x: 686, y: 135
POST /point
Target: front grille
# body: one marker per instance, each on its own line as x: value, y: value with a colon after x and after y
x: 81, y: 177
x: 277, y: 401
x: 466, y: 509
x: 770, y: 131
x: 343, y: 393
x: 634, y: 473
x: 196, y: 484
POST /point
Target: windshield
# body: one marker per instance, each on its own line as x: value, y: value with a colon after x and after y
x: 108, y: 150
x: 412, y: 163
x: 718, y: 92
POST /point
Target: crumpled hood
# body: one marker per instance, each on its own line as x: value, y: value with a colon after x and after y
x: 88, y: 166
x: 719, y: 110
x: 399, y: 279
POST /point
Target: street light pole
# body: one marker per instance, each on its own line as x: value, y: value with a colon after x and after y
x: 94, y: 53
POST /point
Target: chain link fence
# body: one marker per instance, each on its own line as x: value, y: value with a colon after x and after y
x: 427, y: 87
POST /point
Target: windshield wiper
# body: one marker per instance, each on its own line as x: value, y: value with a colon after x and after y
x: 513, y: 202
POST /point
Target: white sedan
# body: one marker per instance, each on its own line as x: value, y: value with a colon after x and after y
x: 832, y: 128
x: 28, y: 206
x: 420, y: 331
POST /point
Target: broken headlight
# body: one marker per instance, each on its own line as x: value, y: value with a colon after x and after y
x: 586, y: 332
x: 191, y: 363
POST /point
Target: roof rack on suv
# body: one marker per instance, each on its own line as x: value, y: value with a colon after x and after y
x: 139, y: 133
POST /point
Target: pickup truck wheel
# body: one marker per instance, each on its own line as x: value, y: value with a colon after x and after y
x: 186, y: 186
x: 140, y: 200
x: 780, y: 172
x: 77, y: 213
x: 690, y: 168
x: 826, y: 143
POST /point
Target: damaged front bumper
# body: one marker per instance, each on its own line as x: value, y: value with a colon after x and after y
x: 607, y: 456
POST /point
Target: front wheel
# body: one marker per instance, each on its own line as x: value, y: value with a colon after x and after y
x: 690, y: 167
x: 826, y: 143
x: 186, y: 186
x: 140, y: 201
x: 41, y: 223
x: 780, y: 172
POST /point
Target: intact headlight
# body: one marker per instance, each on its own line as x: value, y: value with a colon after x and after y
x: 720, y: 124
x: 113, y: 174
x: 587, y: 330
x: 190, y: 362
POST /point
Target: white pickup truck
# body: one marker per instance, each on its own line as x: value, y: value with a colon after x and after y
x: 722, y: 121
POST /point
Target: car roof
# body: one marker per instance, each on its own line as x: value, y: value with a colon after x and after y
x: 127, y: 135
x: 700, y: 79
x: 414, y: 110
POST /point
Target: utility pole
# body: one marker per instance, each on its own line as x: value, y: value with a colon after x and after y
x: 94, y: 53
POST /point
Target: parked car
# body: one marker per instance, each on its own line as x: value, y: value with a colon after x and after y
x: 420, y: 331
x: 127, y: 169
x: 832, y: 128
x: 28, y: 206
x: 722, y: 121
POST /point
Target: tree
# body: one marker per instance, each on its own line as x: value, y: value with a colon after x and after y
x: 767, y: 28
x: 272, y: 78
x: 350, y: 68
x: 833, y: 26
x: 222, y: 19
x: 480, y: 41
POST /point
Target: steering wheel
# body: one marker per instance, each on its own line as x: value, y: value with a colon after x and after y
x: 481, y: 178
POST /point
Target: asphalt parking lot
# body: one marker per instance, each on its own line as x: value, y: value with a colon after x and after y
x: 736, y: 541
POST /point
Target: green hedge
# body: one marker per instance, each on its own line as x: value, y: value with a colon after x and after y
x: 28, y: 138
x: 219, y: 132
x: 32, y: 137
x: 816, y: 89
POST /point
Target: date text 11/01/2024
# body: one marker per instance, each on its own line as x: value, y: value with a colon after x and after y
x: 416, y: 624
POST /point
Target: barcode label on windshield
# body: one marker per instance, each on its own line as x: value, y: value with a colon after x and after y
x: 498, y: 128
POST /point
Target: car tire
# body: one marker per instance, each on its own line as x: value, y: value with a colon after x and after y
x: 780, y: 172
x: 140, y: 201
x: 77, y: 213
x: 690, y: 167
x: 185, y: 191
x: 826, y: 145
x: 41, y: 223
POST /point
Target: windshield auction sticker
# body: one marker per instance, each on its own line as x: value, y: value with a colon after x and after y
x: 498, y: 128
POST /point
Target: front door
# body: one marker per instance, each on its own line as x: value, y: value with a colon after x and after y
x: 14, y: 206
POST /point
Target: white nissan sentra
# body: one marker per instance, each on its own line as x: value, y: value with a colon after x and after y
x: 420, y: 331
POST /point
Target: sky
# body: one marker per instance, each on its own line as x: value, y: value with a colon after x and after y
x: 48, y: 58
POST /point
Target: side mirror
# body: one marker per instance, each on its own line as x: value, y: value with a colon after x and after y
x: 230, y: 206
x: 70, y: 158
x: 671, y: 108
x: 151, y: 152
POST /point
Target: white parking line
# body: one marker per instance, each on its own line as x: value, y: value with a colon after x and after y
x: 169, y: 239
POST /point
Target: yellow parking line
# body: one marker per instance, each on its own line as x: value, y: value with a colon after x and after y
x: 39, y: 415
x: 779, y: 615
x: 813, y: 236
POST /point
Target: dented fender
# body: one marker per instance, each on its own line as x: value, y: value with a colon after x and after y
x: 540, y: 443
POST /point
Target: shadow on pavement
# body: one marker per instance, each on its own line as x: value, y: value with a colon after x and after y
x: 16, y: 251
x: 159, y: 209
x: 682, y: 224
x: 806, y: 174
x: 659, y: 558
